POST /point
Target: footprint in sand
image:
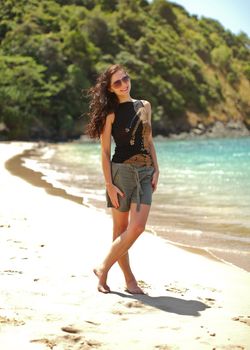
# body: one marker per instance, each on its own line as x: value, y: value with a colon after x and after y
x: 136, y: 304
x: 48, y: 342
x: 93, y: 323
x: 71, y: 339
x: 70, y: 329
x: 5, y: 226
x: 142, y: 284
x: 165, y: 347
x: 174, y: 288
x: 12, y: 272
x: 74, y: 330
x: 243, y: 319
x: 68, y: 340
x: 208, y: 301
x: 10, y: 321
x: 130, y: 307
x: 211, y: 289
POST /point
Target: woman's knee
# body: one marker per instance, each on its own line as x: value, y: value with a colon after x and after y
x: 138, y: 228
x: 118, y: 229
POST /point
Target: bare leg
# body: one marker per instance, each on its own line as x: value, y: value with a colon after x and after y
x: 120, y: 224
x: 102, y: 285
x: 122, y: 243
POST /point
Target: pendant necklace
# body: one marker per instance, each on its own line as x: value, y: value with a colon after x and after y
x: 127, y: 129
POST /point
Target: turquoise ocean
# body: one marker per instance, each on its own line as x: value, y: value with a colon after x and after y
x: 203, y: 196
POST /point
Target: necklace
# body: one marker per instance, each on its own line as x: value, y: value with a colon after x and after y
x: 127, y: 129
x: 132, y: 140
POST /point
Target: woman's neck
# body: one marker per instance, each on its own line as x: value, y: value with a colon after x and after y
x: 124, y: 99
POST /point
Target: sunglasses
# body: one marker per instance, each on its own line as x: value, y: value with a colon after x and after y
x: 118, y: 83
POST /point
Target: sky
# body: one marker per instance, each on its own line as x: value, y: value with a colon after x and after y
x: 232, y: 14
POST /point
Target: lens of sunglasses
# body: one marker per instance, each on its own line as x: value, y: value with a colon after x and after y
x: 118, y: 83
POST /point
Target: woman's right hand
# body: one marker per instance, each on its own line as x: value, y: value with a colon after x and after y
x: 113, y: 193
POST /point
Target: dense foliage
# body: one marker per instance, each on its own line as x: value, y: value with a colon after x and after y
x: 192, y: 70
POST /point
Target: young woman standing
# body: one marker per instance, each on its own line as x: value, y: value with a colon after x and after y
x: 132, y: 174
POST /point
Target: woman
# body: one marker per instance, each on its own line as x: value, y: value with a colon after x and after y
x: 132, y: 175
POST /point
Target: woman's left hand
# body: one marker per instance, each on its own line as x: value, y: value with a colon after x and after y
x: 155, y: 178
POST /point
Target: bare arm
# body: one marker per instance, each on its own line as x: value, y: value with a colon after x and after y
x: 106, y: 148
x: 113, y: 191
x: 152, y: 149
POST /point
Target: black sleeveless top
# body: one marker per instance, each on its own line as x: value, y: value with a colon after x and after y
x: 130, y: 131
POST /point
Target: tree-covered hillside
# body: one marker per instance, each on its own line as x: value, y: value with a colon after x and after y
x: 192, y: 70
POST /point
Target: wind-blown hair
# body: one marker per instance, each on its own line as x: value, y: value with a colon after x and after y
x: 102, y: 101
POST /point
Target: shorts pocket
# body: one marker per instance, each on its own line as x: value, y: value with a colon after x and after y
x: 115, y: 172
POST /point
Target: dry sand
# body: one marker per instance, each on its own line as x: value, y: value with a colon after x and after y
x: 48, y: 298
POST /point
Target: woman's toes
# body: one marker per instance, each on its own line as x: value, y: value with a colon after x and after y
x: 103, y: 289
x: 133, y: 288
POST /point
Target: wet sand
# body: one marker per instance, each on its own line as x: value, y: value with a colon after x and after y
x: 48, y: 247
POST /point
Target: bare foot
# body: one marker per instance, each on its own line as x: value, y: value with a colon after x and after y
x: 133, y: 288
x: 102, y: 285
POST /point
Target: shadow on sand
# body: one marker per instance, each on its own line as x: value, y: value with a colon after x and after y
x: 168, y: 304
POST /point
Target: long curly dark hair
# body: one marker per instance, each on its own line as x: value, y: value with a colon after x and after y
x: 102, y: 101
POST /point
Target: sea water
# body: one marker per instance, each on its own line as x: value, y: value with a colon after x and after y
x: 203, y: 195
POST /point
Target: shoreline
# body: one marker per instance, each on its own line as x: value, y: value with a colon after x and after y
x: 35, y: 178
x: 48, y: 290
x: 15, y: 167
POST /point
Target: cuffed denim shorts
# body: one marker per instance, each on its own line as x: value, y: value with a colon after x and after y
x: 134, y: 182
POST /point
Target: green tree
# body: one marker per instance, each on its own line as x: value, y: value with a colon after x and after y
x: 221, y: 56
x: 51, y: 52
x: 21, y: 107
x: 164, y: 11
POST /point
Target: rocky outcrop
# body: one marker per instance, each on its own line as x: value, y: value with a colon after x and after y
x: 217, y: 130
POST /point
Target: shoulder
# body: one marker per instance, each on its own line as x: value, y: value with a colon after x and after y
x: 106, y: 132
x: 108, y: 123
x: 110, y: 118
x: 146, y: 105
x: 145, y: 102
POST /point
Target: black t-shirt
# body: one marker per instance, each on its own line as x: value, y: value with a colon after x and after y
x: 129, y: 131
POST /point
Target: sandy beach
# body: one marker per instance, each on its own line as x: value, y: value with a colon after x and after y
x: 49, y: 244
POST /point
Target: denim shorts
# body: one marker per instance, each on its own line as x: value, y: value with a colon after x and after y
x: 134, y: 182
